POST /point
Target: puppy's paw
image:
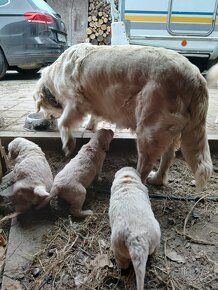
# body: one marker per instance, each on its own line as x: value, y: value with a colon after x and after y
x: 82, y: 213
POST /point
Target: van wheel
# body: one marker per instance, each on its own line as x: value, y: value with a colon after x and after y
x: 3, y: 64
x: 28, y: 71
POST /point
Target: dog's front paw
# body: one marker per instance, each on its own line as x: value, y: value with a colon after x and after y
x: 69, y: 147
x: 155, y: 178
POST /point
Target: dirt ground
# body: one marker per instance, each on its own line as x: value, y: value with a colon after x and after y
x: 76, y: 253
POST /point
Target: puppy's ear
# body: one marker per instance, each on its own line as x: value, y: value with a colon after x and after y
x: 12, y: 153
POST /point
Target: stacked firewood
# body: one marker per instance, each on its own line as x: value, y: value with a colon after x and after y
x: 99, y: 22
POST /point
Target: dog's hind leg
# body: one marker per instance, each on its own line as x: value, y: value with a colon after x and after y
x: 121, y: 261
x: 194, y: 142
x: 157, y: 128
x: 77, y: 203
x: 161, y: 176
x: 196, y: 152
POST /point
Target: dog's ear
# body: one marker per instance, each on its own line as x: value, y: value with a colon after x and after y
x: 49, y: 98
x: 39, y: 103
x: 106, y: 140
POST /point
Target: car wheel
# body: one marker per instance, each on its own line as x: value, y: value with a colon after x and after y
x: 28, y: 71
x: 3, y: 64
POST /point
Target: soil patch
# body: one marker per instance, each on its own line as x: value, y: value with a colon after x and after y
x: 76, y: 254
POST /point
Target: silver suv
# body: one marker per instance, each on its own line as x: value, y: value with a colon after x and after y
x: 32, y: 35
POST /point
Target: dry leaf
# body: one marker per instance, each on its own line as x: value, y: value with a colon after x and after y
x: 172, y: 255
x: 13, y: 285
x: 2, y: 240
x: 100, y: 261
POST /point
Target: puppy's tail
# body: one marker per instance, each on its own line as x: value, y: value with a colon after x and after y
x: 40, y: 190
x: 194, y: 142
x: 139, y: 251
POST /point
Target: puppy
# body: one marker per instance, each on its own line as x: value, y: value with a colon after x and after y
x: 135, y: 231
x: 33, y: 176
x: 70, y: 184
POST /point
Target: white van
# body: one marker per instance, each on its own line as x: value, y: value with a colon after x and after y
x: 189, y: 27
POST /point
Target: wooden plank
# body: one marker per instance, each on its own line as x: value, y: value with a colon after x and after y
x: 25, y: 240
x: 4, y: 167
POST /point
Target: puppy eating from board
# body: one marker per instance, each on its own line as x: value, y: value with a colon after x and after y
x: 155, y: 92
x: 70, y: 184
x: 33, y: 176
x: 135, y: 232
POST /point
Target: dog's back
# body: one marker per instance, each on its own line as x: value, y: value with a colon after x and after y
x: 135, y: 231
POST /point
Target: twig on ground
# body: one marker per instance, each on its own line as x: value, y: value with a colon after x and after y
x: 195, y: 240
x: 188, y: 215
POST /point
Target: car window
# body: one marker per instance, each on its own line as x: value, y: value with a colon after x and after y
x: 4, y: 2
x: 43, y: 5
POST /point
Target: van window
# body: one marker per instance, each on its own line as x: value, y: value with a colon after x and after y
x: 4, y: 2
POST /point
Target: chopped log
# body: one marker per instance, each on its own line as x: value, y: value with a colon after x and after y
x: 88, y: 31
x: 100, y: 38
x: 92, y: 36
x: 99, y: 22
x: 94, y: 18
x: 103, y: 27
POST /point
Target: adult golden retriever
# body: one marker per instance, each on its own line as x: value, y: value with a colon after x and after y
x: 155, y: 92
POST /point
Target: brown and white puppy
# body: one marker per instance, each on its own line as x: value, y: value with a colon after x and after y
x: 33, y: 176
x: 135, y: 232
x: 70, y: 183
x: 155, y: 92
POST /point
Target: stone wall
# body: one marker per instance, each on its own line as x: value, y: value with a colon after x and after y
x: 74, y: 14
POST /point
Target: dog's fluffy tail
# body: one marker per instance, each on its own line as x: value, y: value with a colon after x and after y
x: 194, y: 142
x: 43, y: 193
x: 212, y: 75
x: 139, y: 251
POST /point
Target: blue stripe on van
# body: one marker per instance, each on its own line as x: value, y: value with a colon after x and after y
x: 166, y: 12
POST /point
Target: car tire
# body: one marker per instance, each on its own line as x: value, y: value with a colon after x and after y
x: 3, y: 64
x: 28, y: 71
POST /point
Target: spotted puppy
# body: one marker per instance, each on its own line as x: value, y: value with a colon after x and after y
x: 70, y: 184
x: 33, y: 176
x: 135, y: 231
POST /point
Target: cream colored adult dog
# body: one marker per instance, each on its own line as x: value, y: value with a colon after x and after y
x: 33, y: 176
x: 70, y: 183
x: 155, y: 92
x: 212, y: 78
x: 135, y: 232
